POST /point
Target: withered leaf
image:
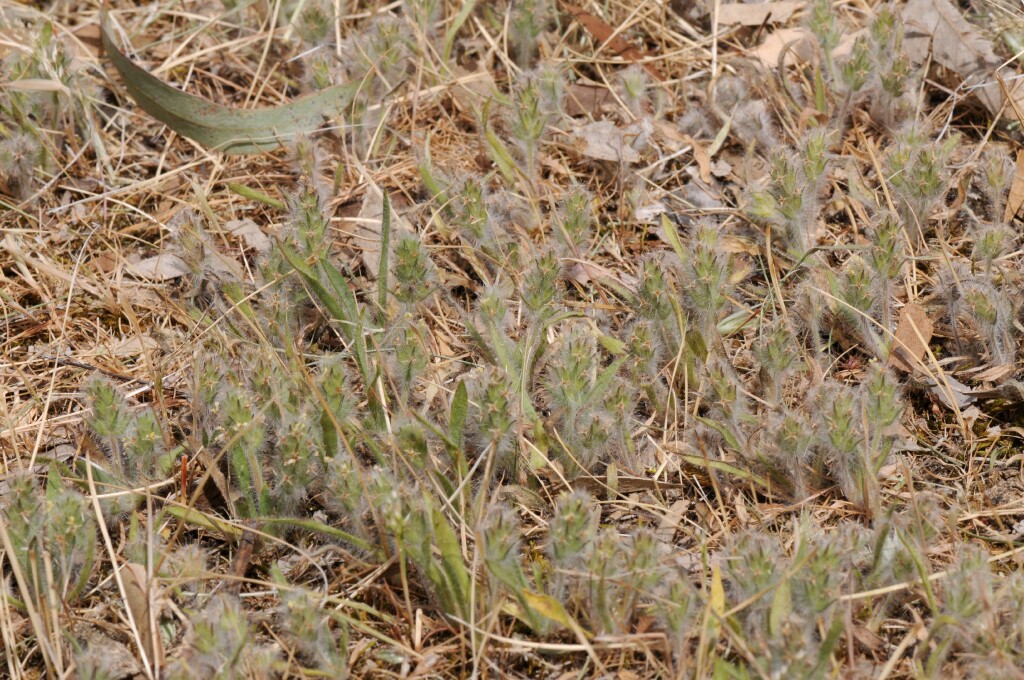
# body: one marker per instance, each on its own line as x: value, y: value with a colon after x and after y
x: 1016, y: 197
x: 141, y: 602
x: 604, y: 141
x: 607, y: 37
x: 956, y: 45
x: 748, y: 14
x: 913, y: 333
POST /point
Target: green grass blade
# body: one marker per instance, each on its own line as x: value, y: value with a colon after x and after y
x: 453, y: 30
x: 321, y: 528
x: 385, y: 249
x: 453, y: 567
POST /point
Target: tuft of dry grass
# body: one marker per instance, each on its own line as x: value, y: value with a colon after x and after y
x: 595, y: 340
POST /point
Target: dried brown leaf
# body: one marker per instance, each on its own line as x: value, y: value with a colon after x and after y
x: 994, y: 373
x: 913, y: 333
x: 800, y: 41
x: 1016, y: 197
x: 471, y: 89
x: 250, y: 234
x: 957, y: 45
x: 604, y: 141
x: 141, y: 601
x: 606, y: 36
x: 587, y: 99
x: 671, y: 520
x: 163, y: 267
x: 744, y: 14
x: 700, y: 154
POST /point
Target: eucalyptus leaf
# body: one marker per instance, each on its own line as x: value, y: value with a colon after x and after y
x: 220, y: 127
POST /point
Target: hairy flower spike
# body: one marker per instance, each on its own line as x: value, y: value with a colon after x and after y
x: 706, y: 280
x: 992, y: 312
x: 245, y: 434
x: 823, y: 23
x: 309, y: 220
x: 777, y: 352
x: 571, y: 372
x: 643, y: 349
x: 144, y: 443
x: 316, y: 23
x: 20, y: 155
x: 884, y: 27
x: 572, y: 530
x: 216, y: 642
x: 814, y: 155
x: 856, y: 70
x: 471, y: 212
x: 307, y: 627
x: 577, y: 216
x: 495, y: 397
x: 989, y: 245
x: 882, y: 403
x: 52, y: 533
x: 917, y: 167
x: 411, y: 354
x: 109, y: 416
x: 998, y: 170
x: 529, y: 19
x: 653, y: 293
x: 413, y: 271
x: 540, y: 286
x: 841, y: 416
x: 500, y: 538
x: 529, y: 119
x: 895, y: 80
x: 794, y: 437
x: 634, y: 81
x: 424, y: 14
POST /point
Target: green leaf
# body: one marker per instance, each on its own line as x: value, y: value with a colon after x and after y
x: 604, y: 380
x: 819, y: 91
x: 320, y: 528
x: 502, y: 158
x: 385, y: 248
x: 725, y: 468
x: 246, y: 469
x: 614, y: 346
x: 669, y: 227
x: 341, y: 305
x: 457, y: 421
x: 828, y: 646
x: 200, y: 519
x: 455, y: 440
x: 452, y: 577
x: 782, y: 607
x: 255, y: 195
x: 227, y: 129
x: 552, y: 610
x: 726, y: 433
x: 236, y: 296
x: 429, y: 181
x: 449, y: 36
x: 734, y: 322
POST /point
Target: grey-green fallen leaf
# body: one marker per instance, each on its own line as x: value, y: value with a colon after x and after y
x: 224, y: 128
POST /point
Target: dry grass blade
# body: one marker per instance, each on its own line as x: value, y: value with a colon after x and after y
x: 141, y: 598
